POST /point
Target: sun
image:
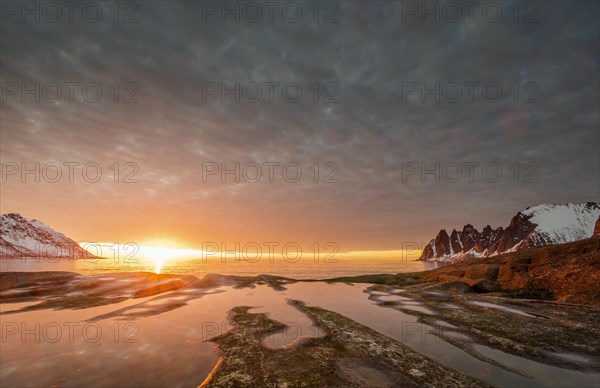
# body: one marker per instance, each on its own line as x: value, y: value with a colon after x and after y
x: 133, y: 253
x: 161, y: 254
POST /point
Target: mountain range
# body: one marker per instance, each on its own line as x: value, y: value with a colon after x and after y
x: 20, y: 238
x: 541, y: 225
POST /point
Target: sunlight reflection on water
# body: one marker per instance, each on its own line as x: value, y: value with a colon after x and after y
x: 303, y: 269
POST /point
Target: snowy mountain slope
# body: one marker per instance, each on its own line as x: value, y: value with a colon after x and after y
x: 540, y: 225
x: 20, y: 237
x: 562, y: 223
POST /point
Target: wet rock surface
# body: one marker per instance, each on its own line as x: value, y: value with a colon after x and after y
x: 483, y: 307
x: 68, y: 290
x: 566, y: 273
x: 351, y: 355
x: 538, y: 330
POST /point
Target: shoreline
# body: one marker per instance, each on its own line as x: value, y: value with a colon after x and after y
x: 493, y: 328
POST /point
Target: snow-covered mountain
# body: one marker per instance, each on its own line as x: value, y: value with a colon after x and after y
x: 20, y: 237
x: 540, y: 225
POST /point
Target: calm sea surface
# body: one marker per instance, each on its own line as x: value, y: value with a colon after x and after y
x: 303, y: 269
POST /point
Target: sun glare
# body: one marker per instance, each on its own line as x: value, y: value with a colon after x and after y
x: 161, y: 254
x: 158, y: 255
x: 132, y: 253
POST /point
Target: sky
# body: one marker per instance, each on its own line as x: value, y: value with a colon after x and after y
x: 400, y: 123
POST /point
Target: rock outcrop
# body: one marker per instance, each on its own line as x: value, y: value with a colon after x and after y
x: 567, y: 272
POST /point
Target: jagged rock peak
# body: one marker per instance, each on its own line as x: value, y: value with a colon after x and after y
x: 539, y: 225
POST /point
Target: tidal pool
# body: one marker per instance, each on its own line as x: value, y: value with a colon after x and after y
x: 503, y: 308
x: 136, y: 343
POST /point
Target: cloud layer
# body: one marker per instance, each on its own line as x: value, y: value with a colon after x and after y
x: 375, y: 59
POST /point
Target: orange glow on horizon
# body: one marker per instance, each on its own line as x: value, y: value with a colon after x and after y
x: 161, y: 253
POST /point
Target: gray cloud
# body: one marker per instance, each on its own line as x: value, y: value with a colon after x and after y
x: 369, y: 134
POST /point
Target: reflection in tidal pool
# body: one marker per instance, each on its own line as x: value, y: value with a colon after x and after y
x: 170, y: 348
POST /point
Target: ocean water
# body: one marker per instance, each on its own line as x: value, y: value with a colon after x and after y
x: 302, y: 269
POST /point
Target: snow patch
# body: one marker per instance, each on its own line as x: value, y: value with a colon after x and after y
x: 563, y: 223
